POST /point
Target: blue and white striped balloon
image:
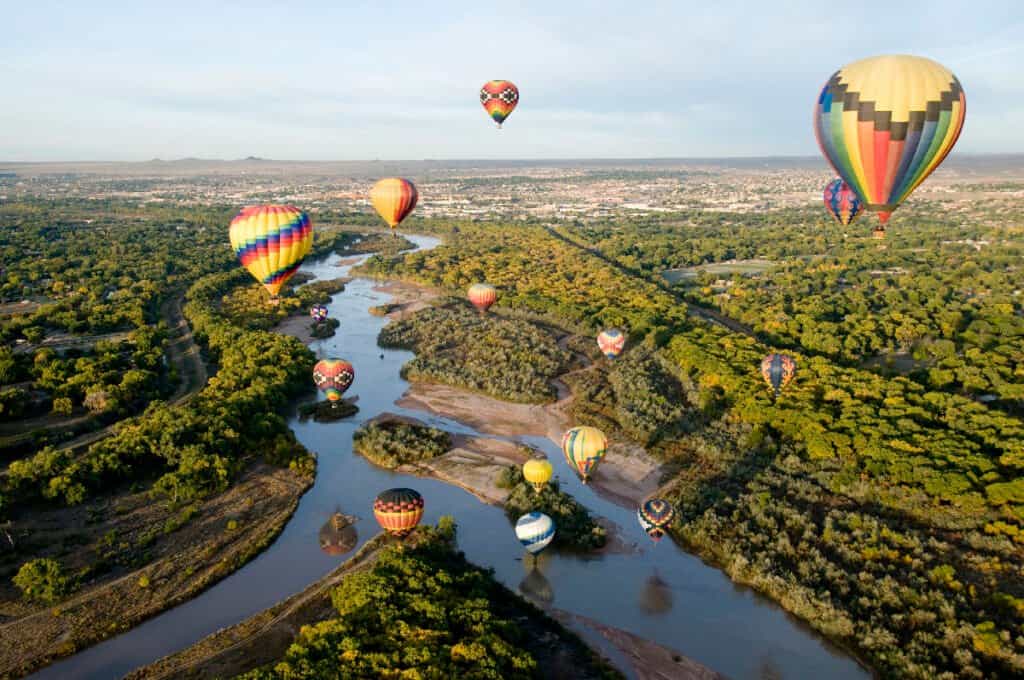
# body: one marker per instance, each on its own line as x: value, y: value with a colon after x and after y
x: 535, y: 530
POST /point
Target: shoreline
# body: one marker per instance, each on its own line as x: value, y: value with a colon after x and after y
x: 191, y: 560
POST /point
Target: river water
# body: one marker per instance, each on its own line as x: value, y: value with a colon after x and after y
x: 658, y: 592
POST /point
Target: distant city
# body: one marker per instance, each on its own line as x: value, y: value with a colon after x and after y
x: 549, y: 190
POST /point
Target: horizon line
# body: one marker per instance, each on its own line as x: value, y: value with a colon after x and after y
x: 260, y: 159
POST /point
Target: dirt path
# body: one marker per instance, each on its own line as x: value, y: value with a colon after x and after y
x: 183, y: 352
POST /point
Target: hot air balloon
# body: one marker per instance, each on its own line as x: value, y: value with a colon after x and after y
x: 398, y: 510
x: 537, y: 471
x: 584, y: 447
x: 535, y: 530
x: 841, y: 203
x: 655, y: 515
x: 885, y: 123
x: 482, y: 295
x: 394, y: 198
x: 611, y: 342
x: 499, y: 98
x: 318, y: 313
x: 271, y: 241
x: 333, y: 377
x: 778, y: 371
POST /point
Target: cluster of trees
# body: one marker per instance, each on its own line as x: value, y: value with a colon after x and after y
x: 575, y: 528
x: 197, y: 447
x: 942, y: 289
x: 637, y: 396
x: 422, y: 611
x: 925, y: 465
x: 101, y: 268
x: 391, y: 443
x: 455, y: 345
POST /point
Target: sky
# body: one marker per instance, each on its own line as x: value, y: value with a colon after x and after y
x: 345, y: 80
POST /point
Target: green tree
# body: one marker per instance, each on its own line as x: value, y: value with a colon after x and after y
x: 42, y: 580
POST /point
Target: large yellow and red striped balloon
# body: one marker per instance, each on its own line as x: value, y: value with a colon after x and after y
x: 584, y: 447
x: 394, y: 198
x: 482, y: 295
x: 499, y: 99
x: 398, y: 511
x: 271, y: 241
x: 885, y: 123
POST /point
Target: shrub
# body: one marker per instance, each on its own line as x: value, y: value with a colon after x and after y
x: 43, y: 581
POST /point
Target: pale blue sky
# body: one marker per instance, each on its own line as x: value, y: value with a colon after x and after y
x: 399, y: 80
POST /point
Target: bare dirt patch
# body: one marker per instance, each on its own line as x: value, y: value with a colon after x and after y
x: 297, y: 326
x: 406, y: 298
x: 474, y: 466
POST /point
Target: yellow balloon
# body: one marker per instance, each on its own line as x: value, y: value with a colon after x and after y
x: 538, y: 472
x: 393, y: 198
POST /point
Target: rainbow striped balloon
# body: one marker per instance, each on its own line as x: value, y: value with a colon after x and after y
x: 394, y: 198
x: 535, y: 531
x: 584, y: 447
x: 885, y: 123
x: 271, y: 242
x: 499, y: 99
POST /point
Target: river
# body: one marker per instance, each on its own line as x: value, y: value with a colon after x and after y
x: 658, y: 592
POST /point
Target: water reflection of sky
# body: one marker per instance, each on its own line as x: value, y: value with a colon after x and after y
x: 658, y: 592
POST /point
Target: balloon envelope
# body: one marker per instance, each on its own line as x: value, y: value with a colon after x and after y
x: 499, y: 99
x: 841, y: 203
x: 655, y: 515
x: 318, y: 313
x: 535, y: 531
x: 885, y: 123
x: 394, y: 198
x: 611, y: 342
x: 537, y: 471
x: 271, y: 241
x: 333, y: 377
x: 399, y: 510
x: 482, y: 295
x: 584, y: 447
x: 778, y: 371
